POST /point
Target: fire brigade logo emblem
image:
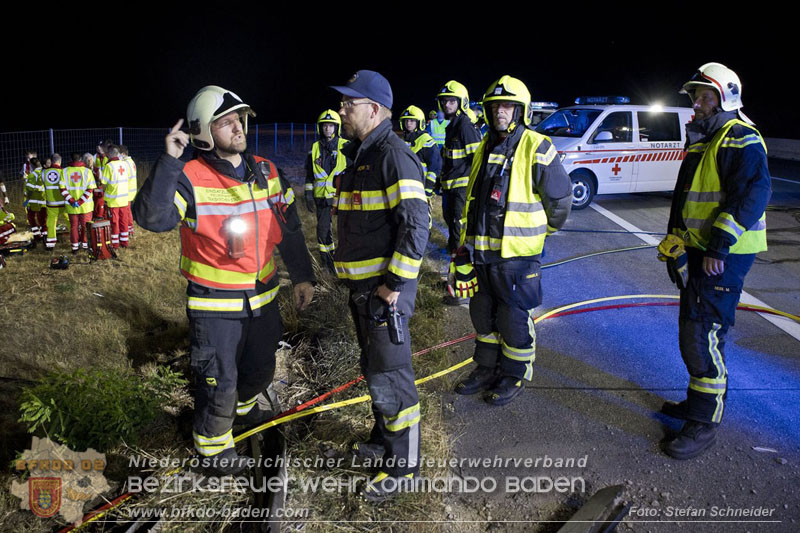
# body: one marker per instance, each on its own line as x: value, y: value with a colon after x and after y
x: 44, y: 496
x: 52, y: 177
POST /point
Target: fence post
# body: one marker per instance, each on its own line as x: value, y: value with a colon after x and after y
x: 120, y: 135
x: 52, y: 144
x: 276, y: 138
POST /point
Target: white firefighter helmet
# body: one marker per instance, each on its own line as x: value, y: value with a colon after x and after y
x: 722, y: 80
x: 210, y: 103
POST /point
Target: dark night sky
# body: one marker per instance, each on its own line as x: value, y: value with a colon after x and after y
x: 155, y: 63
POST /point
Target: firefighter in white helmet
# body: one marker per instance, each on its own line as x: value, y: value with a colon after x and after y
x: 233, y: 209
x: 717, y: 217
x: 517, y: 194
x: 324, y: 164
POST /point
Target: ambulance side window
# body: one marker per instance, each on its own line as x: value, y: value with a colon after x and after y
x: 659, y: 127
x: 615, y: 128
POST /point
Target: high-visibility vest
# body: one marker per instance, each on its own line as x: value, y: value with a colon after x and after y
x: 525, y: 221
x: 115, y: 182
x: 323, y: 181
x: 438, y: 130
x: 52, y: 193
x: 702, y: 211
x: 34, y: 190
x: 133, y: 185
x: 424, y: 141
x: 204, y: 239
x: 79, y: 182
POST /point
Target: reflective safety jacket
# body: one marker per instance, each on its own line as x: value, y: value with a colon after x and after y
x: 205, y: 197
x: 115, y: 183
x: 437, y: 130
x: 34, y: 190
x: 77, y: 184
x: 52, y: 193
x: 518, y: 191
x: 133, y: 185
x: 461, y: 142
x: 325, y: 162
x: 427, y: 152
x: 382, y: 212
x: 723, y: 190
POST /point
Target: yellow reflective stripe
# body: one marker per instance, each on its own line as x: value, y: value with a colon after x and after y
x: 452, y: 153
x: 741, y: 142
x: 519, y: 354
x: 180, y: 203
x: 483, y: 243
x: 355, y: 270
x: 404, y: 266
x: 210, y: 446
x: 190, y: 222
x: 698, y: 147
x: 405, y: 190
x: 727, y: 223
x: 496, y: 159
x: 242, y: 408
x: 327, y: 247
x: 708, y: 385
x: 370, y: 201
x: 217, y: 274
x: 547, y: 157
x: 472, y: 148
x: 215, y: 304
x: 492, y: 338
x: 405, y: 418
x: 309, y: 187
x: 457, y: 182
x: 263, y: 299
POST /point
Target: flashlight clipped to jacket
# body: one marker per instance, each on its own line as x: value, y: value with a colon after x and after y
x: 235, y: 228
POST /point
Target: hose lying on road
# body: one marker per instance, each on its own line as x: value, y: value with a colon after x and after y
x: 303, y: 410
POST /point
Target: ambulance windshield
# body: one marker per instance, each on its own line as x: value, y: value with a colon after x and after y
x: 568, y: 122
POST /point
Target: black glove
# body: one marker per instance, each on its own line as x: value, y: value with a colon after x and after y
x: 310, y: 204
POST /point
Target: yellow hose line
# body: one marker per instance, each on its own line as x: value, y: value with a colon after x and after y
x: 465, y: 362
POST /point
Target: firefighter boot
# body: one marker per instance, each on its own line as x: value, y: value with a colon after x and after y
x: 383, y: 486
x: 506, y: 389
x: 368, y: 450
x: 479, y: 379
x: 226, y: 463
x: 694, y: 439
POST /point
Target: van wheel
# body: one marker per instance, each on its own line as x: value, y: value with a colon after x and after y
x: 583, y: 189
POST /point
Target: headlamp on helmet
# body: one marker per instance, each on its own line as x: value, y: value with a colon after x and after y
x: 209, y: 104
x: 508, y: 89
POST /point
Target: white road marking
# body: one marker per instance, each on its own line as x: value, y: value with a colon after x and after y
x: 784, y: 179
x: 786, y: 324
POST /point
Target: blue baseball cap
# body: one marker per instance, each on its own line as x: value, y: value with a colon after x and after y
x: 367, y: 84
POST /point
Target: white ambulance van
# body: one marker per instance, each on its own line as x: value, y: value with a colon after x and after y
x: 608, y: 146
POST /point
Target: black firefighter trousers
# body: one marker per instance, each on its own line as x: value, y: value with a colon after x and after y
x: 707, y: 311
x: 390, y: 378
x: 233, y: 361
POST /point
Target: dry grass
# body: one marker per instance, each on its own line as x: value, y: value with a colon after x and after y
x: 130, y: 313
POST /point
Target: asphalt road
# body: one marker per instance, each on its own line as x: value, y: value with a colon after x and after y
x: 600, y: 378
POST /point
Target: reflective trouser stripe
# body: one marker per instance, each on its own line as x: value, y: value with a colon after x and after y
x: 492, y: 338
x: 716, y: 385
x: 404, y: 419
x: 327, y: 247
x: 209, y: 446
x: 242, y: 408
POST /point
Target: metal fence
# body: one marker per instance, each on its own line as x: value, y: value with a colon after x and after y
x: 275, y: 140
